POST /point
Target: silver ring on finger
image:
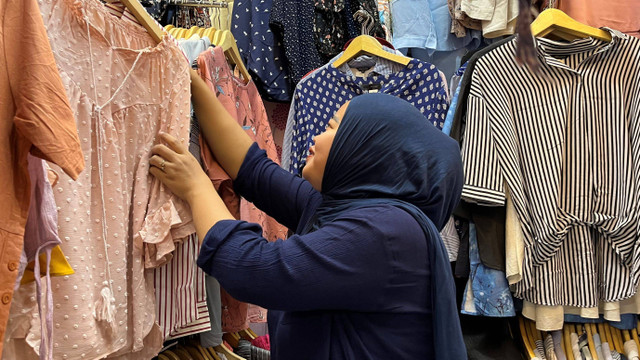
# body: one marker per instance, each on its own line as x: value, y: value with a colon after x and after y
x: 162, y: 164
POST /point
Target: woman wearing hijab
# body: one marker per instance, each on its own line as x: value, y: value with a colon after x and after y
x: 366, y: 275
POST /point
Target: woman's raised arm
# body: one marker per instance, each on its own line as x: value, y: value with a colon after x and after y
x: 226, y: 138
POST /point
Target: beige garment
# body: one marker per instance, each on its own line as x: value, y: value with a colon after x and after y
x: 514, y: 243
x: 221, y: 16
x: 116, y: 220
x: 550, y: 318
x: 498, y: 16
x: 460, y: 21
x: 492, y: 30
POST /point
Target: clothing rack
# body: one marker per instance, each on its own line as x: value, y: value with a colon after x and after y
x: 200, y: 3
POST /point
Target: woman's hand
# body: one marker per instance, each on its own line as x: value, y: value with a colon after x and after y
x: 177, y: 169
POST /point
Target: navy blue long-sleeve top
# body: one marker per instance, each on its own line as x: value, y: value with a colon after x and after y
x: 357, y: 288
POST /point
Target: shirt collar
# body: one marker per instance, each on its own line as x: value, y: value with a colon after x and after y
x: 548, y: 49
x: 381, y: 67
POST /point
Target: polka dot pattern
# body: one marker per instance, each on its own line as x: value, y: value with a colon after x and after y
x: 115, y: 220
x: 294, y: 23
x: 318, y: 96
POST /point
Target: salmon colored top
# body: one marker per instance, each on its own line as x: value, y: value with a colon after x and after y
x: 37, y: 119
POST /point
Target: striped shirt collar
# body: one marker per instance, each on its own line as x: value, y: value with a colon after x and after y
x: 550, y: 50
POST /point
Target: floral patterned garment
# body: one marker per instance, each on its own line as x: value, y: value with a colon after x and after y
x: 487, y: 291
x: 334, y: 24
x: 243, y: 103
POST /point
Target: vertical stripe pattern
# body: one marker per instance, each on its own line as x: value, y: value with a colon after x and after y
x: 181, y: 303
x: 565, y: 141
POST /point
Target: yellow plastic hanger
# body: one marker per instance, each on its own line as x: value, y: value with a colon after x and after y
x: 210, y: 33
x: 168, y: 27
x: 216, y: 38
x: 228, y: 353
x: 191, y: 31
x: 252, y: 333
x: 212, y: 352
x: 245, y: 334
x: 618, y: 335
x: 566, y: 337
x: 525, y: 338
x: 592, y: 345
x: 615, y: 342
x: 171, y: 355
x: 553, y: 23
x: 232, y: 339
x: 634, y: 336
x: 201, y: 32
x: 193, y: 352
x: 603, y: 335
x: 182, y: 353
x: 365, y: 44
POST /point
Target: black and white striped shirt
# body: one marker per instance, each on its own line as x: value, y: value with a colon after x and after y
x: 566, y: 142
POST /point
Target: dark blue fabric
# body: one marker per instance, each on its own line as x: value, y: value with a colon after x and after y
x: 292, y: 21
x: 385, y: 149
x: 384, y: 154
x: 261, y: 51
x: 358, y: 288
x: 373, y: 282
x: 627, y: 321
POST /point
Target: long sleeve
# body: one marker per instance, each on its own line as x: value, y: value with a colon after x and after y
x: 359, y: 262
x: 281, y: 195
x: 42, y: 113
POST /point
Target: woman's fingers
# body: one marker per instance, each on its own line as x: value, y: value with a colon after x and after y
x: 158, y: 162
x: 173, y: 143
x: 158, y: 173
x: 164, y: 152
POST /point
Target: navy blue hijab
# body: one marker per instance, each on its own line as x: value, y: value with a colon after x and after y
x: 386, y: 152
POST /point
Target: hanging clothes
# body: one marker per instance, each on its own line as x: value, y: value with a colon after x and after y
x: 41, y: 232
x: 188, y: 16
x: 487, y: 291
x: 334, y: 24
x: 292, y: 21
x: 578, y: 229
x: 422, y: 30
x: 181, y: 294
x: 319, y: 95
x: 262, y: 52
x: 245, y: 105
x: 38, y: 119
x: 460, y: 21
x: 498, y: 18
x: 620, y: 15
x: 117, y: 222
